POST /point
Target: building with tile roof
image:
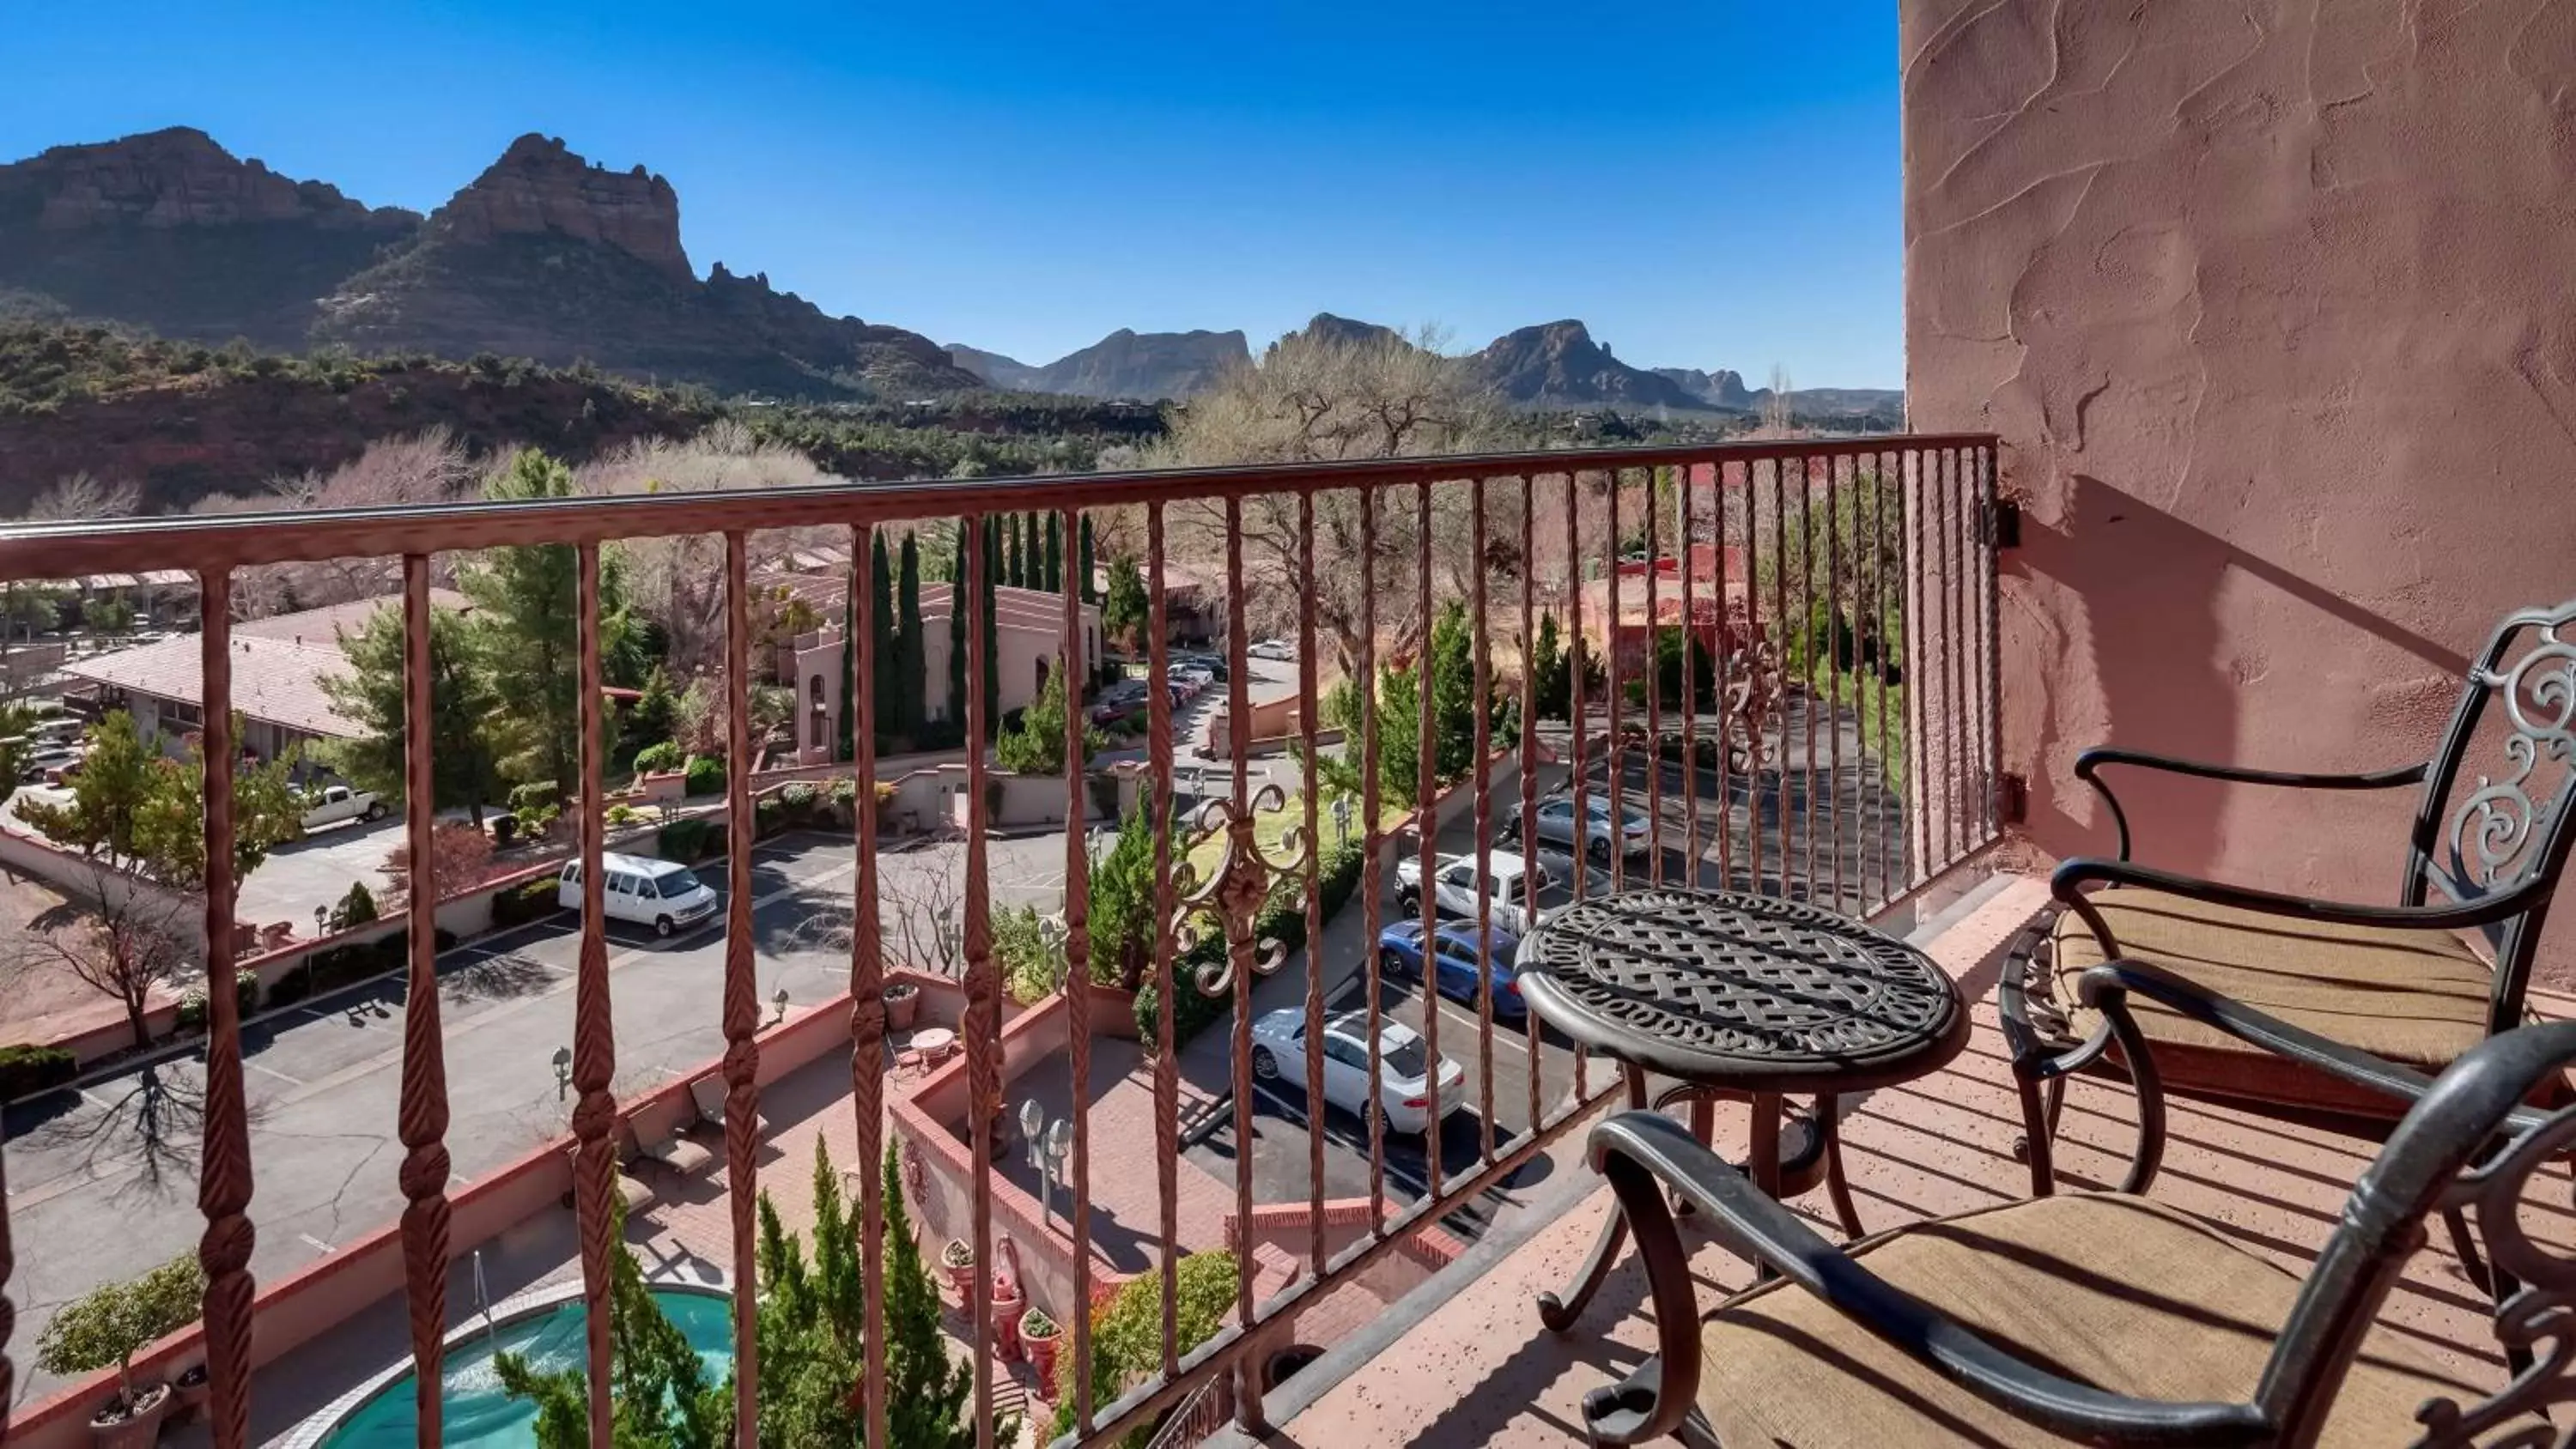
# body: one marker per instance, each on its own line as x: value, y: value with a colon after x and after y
x: 278, y: 665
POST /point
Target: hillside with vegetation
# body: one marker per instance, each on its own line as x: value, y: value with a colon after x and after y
x: 184, y: 421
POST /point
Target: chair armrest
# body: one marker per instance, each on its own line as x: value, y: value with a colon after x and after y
x: 2067, y: 882
x: 1645, y: 1152
x: 2089, y: 763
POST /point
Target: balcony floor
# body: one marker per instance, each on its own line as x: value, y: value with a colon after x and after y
x: 1477, y: 1368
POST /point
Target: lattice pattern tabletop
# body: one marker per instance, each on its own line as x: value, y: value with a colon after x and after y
x: 1739, y: 990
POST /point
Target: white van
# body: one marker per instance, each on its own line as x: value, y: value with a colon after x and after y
x: 659, y: 893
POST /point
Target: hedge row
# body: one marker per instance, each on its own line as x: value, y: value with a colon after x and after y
x: 327, y: 971
x: 25, y: 1069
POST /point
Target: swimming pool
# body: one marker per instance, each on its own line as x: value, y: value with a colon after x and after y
x: 476, y: 1412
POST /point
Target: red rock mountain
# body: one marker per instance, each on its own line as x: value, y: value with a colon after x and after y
x: 543, y: 256
x: 172, y: 232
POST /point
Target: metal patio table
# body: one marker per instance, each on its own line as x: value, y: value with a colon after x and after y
x: 1744, y: 997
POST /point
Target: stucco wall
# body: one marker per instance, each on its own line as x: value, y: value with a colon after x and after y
x: 2270, y: 306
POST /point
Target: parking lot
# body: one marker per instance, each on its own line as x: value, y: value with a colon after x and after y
x: 105, y: 1175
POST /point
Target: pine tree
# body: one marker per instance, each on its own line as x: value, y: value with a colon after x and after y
x: 957, y: 587
x: 1124, y: 613
x: 927, y: 1392
x: 1011, y: 569
x: 1550, y: 689
x: 1054, y: 575
x: 656, y: 1379
x: 1453, y: 692
x: 907, y: 706
x: 843, y: 746
x: 371, y: 695
x: 526, y: 632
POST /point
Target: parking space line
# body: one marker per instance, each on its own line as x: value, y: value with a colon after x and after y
x: 268, y: 1071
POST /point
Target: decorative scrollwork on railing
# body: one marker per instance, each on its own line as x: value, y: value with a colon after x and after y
x: 2495, y: 830
x: 2540, y: 1317
x: 1752, y: 688
x: 1232, y: 894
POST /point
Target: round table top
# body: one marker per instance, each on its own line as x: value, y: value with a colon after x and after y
x: 1742, y: 991
x: 932, y: 1038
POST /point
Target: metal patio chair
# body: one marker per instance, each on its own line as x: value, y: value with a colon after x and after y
x: 2103, y: 1317
x: 2401, y: 982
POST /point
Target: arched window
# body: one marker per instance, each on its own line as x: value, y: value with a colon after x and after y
x: 819, y: 731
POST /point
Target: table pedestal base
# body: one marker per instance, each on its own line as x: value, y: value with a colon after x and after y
x: 1818, y: 1159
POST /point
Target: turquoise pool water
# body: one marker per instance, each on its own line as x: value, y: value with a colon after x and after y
x: 477, y: 1412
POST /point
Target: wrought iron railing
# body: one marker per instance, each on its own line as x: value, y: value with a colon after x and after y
x: 1840, y: 586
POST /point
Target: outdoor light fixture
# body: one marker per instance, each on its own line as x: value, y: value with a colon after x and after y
x: 1049, y: 1146
x: 563, y: 1071
x: 779, y: 1001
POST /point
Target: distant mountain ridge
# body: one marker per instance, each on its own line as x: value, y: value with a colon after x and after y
x: 543, y: 256
x: 1150, y: 366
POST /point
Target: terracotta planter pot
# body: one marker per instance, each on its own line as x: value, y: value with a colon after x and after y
x: 139, y: 1429
x: 191, y: 1389
x: 961, y: 1276
x: 1042, y: 1358
x: 902, y: 1004
x: 1006, y: 1325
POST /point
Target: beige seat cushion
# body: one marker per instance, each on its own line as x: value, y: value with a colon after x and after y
x: 2418, y: 998
x: 2119, y: 1292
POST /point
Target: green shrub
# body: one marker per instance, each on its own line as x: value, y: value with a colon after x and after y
x: 1127, y: 1331
x: 525, y: 902
x: 25, y: 1069
x: 659, y: 759
x: 689, y: 840
x: 622, y: 814
x: 797, y: 795
x: 845, y: 793
x: 706, y: 776
x: 192, y: 1009
x: 245, y: 992
x: 534, y: 795
x: 356, y: 909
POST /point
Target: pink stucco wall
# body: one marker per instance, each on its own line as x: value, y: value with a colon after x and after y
x: 2269, y: 303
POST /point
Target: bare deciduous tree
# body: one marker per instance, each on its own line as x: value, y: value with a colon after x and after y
x: 1320, y: 399
x: 678, y: 582
x: 84, y: 496
x: 131, y: 942
x: 431, y: 467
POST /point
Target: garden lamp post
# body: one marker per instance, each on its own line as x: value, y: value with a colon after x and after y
x: 780, y: 1002
x: 563, y: 1072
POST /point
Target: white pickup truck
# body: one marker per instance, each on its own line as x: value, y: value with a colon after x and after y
x: 1455, y: 887
x: 337, y: 803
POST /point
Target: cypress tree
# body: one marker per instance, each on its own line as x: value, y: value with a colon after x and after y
x: 909, y: 701
x: 886, y: 675
x: 1084, y: 562
x: 1011, y: 551
x: 843, y: 745
x: 1054, y: 555
x: 957, y: 587
x: 992, y: 642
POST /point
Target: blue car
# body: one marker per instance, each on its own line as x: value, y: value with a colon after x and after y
x: 1399, y: 953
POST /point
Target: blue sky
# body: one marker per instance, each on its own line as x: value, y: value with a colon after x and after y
x: 1707, y: 184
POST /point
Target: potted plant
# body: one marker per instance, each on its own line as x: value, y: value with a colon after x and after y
x: 958, y: 1258
x: 108, y: 1327
x: 1041, y: 1336
x: 902, y: 1004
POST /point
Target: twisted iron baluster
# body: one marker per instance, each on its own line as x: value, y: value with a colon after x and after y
x: 867, y: 987
x: 594, y: 1039
x: 224, y: 1178
x: 1072, y: 664
x: 423, y: 1121
x: 741, y: 995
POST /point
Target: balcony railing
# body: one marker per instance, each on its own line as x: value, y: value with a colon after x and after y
x: 1832, y: 736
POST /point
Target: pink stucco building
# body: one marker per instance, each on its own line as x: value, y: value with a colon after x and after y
x: 1028, y: 639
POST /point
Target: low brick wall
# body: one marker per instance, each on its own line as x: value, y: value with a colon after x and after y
x: 930, y: 1120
